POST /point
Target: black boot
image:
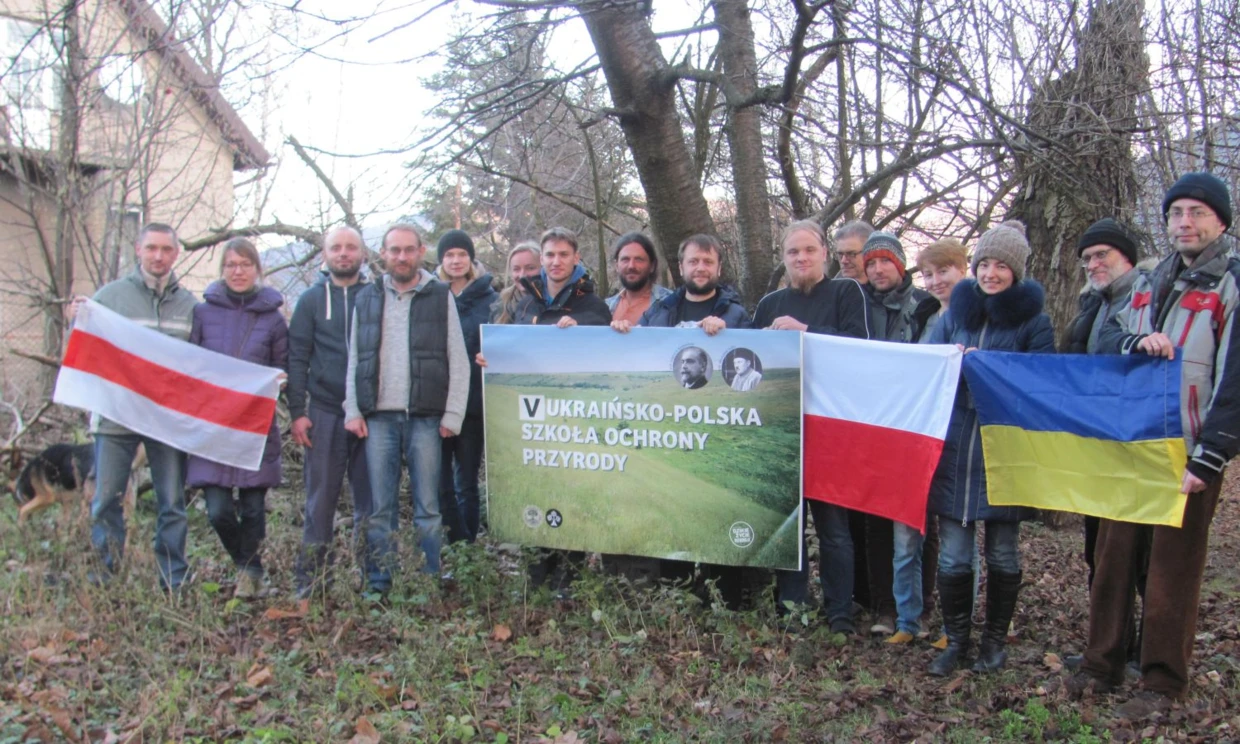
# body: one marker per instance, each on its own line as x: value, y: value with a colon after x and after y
x: 1001, y: 591
x: 956, y: 601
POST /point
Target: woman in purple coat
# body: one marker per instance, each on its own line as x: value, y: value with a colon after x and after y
x: 241, y: 318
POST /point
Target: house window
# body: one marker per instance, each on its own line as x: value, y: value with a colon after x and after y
x: 28, y: 82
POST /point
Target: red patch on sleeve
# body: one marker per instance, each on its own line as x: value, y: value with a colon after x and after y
x: 1140, y: 300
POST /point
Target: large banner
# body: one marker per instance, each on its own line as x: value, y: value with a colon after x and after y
x: 660, y: 442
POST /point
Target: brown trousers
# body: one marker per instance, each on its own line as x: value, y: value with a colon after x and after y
x: 1177, y: 560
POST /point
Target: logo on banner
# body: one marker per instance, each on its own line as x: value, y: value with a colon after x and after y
x: 531, y: 408
x: 533, y: 516
x: 554, y: 518
x: 741, y: 534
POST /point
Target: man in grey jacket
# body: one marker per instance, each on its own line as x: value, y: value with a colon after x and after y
x: 318, y: 355
x: 152, y: 297
x: 406, y: 388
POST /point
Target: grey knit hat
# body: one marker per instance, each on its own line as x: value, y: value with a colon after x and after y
x: 884, y: 245
x: 1005, y: 242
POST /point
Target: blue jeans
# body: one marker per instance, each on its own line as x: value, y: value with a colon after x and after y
x: 906, y: 570
x: 393, y: 436
x: 835, y: 565
x: 114, y: 455
x: 957, y: 547
x: 458, y: 481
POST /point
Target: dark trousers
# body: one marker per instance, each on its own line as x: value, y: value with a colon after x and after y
x: 335, y: 453
x: 458, y: 482
x: 240, y: 522
x: 1177, y: 561
x: 879, y: 547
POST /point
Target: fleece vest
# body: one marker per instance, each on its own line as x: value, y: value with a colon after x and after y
x: 428, y: 348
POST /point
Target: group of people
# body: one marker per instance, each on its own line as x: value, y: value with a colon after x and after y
x: 385, y: 374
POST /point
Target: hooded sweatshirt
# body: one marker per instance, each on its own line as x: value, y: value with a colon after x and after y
x: 318, y: 345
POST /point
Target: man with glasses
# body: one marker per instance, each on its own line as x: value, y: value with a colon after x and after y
x: 846, y: 244
x: 406, y: 389
x: 1108, y: 254
x: 1186, y: 306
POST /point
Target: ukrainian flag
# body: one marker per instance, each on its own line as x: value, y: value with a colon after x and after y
x: 1091, y: 434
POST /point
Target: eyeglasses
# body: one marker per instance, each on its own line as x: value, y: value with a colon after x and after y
x: 1099, y: 256
x: 1195, y: 214
x: 850, y: 255
x: 238, y: 266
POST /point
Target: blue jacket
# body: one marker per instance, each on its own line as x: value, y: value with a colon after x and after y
x: 473, y: 305
x: 665, y: 313
x: 1009, y: 321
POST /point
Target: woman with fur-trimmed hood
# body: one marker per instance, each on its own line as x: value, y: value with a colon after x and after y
x: 998, y: 310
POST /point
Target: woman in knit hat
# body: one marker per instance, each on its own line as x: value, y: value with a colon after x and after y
x: 999, y: 310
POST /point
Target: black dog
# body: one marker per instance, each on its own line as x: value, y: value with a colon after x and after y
x: 55, y: 472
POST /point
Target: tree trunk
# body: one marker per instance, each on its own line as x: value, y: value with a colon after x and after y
x: 744, y: 132
x: 634, y: 65
x: 1088, y: 113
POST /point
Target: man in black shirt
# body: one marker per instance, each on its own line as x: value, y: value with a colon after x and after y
x: 835, y: 307
x: 702, y: 302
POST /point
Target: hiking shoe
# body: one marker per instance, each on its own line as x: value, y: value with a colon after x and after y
x: 885, y: 625
x: 1074, y: 662
x: 1083, y: 684
x: 901, y: 636
x: 248, y: 586
x: 843, y: 627
x: 1144, y: 704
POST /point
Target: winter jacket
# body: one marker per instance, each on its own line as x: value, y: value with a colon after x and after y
x: 665, y: 313
x: 251, y: 328
x: 318, y: 346
x: 1195, y: 306
x: 1009, y: 321
x: 891, y: 312
x: 170, y: 313
x: 473, y: 305
x: 925, y: 317
x: 1097, y: 307
x: 576, y: 300
x: 833, y: 307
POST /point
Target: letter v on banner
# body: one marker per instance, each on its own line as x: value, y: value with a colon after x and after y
x: 198, y: 401
x: 897, y: 408
x: 531, y: 408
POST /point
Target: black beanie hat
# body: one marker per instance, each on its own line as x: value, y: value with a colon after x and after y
x: 456, y: 239
x: 1109, y: 232
x: 1205, y: 188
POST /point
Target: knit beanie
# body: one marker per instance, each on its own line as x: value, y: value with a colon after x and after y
x: 1205, y: 188
x: 1005, y: 242
x: 1107, y: 231
x: 884, y: 245
x: 456, y: 239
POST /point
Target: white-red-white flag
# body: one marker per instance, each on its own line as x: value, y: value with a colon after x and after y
x: 199, y: 401
x: 875, y: 415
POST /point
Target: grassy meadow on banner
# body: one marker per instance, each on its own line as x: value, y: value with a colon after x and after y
x: 691, y: 502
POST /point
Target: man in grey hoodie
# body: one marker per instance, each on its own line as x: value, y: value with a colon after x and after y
x: 406, y: 389
x: 318, y: 353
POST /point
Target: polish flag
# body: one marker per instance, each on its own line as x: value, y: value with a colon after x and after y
x: 199, y: 401
x: 875, y: 415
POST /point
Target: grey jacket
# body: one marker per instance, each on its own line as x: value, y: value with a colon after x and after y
x: 170, y: 312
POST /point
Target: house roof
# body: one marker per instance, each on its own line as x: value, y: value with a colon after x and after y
x: 248, y: 152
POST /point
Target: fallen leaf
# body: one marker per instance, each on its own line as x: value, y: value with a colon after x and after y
x: 348, y: 624
x: 258, y: 676
x: 501, y: 633
x: 365, y: 733
x: 1053, y: 662
x: 955, y: 684
x: 275, y: 613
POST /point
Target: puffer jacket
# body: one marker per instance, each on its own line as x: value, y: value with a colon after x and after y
x: 473, y: 305
x: 170, y: 312
x: 665, y: 313
x: 251, y: 328
x: 576, y: 300
x: 1195, y: 306
x: 1009, y: 321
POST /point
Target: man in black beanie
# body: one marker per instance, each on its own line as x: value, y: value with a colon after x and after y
x: 1186, y: 306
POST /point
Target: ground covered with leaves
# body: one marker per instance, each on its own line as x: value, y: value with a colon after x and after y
x: 487, y: 659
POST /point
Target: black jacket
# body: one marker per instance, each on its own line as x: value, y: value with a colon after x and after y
x: 576, y: 300
x: 666, y: 312
x: 834, y: 307
x: 891, y: 312
x: 318, y: 347
x: 473, y: 304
